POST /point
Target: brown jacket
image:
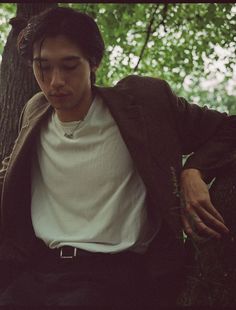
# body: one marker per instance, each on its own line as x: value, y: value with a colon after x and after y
x: 157, y: 127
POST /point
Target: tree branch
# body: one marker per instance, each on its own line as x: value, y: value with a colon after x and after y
x: 149, y: 31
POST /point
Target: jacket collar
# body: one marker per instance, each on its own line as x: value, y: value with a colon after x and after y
x: 117, y: 101
x: 40, y: 110
x: 129, y: 116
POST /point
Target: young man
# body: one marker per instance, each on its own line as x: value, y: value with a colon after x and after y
x: 90, y: 215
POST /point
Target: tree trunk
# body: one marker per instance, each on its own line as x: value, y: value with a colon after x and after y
x: 17, y: 83
x: 211, y: 279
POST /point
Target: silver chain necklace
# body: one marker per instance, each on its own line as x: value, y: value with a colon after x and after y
x: 70, y: 135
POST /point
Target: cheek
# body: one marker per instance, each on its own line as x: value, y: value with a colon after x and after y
x: 79, y: 80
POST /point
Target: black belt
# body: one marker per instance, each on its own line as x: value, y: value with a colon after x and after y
x: 69, y: 253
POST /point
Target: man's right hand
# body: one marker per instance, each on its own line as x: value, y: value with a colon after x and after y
x: 199, y: 216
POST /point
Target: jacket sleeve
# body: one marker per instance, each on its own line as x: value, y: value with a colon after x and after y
x: 218, y: 154
x: 207, y: 135
x: 3, y: 172
x: 5, y: 162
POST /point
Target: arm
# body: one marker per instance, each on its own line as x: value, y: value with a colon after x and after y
x: 3, y: 172
x: 211, y: 136
x: 5, y: 162
x: 2, y: 175
x: 206, y: 133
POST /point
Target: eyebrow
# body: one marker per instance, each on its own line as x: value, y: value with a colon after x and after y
x: 67, y: 58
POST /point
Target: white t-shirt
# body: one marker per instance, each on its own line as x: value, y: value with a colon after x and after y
x: 86, y: 191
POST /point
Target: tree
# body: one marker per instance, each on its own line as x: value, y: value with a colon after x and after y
x: 17, y: 83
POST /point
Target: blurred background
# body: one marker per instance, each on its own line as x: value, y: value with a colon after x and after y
x: 191, y: 45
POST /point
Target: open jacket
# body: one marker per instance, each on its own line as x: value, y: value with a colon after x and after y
x: 158, y: 128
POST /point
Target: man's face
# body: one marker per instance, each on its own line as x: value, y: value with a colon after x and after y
x: 64, y: 74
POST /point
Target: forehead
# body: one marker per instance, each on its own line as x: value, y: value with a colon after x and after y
x: 56, y: 48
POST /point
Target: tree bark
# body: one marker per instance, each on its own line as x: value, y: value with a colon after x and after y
x: 17, y: 83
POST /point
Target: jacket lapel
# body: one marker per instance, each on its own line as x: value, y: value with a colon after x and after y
x: 131, y: 123
x: 30, y: 127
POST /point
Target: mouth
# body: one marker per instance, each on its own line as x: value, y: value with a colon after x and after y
x: 59, y: 95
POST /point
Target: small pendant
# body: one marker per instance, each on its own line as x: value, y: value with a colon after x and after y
x: 68, y: 135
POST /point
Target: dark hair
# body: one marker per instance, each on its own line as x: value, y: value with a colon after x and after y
x: 77, y: 26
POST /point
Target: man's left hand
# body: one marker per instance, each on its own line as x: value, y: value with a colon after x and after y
x: 199, y: 216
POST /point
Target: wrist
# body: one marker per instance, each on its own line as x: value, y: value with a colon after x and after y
x: 191, y: 172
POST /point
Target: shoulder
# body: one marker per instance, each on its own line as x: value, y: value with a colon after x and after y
x: 32, y: 107
x: 35, y: 102
x: 141, y: 83
x: 146, y: 89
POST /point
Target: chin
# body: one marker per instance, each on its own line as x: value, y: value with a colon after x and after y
x: 64, y: 107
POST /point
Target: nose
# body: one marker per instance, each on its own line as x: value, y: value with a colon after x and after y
x: 57, y: 79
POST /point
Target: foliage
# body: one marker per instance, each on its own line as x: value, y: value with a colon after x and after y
x: 7, y: 11
x: 171, y: 41
x: 180, y: 38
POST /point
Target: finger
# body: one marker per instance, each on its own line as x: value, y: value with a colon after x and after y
x: 190, y: 232
x: 186, y: 225
x: 205, y: 230
x: 210, y: 220
x: 211, y: 209
x: 199, y: 227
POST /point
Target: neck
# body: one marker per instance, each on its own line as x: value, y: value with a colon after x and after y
x: 77, y: 112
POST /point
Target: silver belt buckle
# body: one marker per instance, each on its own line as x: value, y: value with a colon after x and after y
x: 67, y: 256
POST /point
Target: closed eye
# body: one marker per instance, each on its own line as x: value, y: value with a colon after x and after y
x: 46, y: 68
x: 67, y: 68
x: 70, y: 67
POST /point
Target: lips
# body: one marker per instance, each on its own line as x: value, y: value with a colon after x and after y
x: 58, y: 95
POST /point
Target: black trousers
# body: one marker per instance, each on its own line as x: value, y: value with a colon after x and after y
x: 97, y: 282
x: 87, y: 282
x: 114, y: 281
